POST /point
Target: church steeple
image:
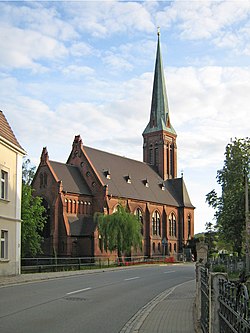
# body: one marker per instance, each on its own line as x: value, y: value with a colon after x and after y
x: 159, y: 148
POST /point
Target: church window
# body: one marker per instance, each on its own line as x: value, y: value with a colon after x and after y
x: 172, y: 225
x: 87, y: 173
x: 189, y: 226
x: 174, y: 247
x: 138, y: 213
x: 171, y: 161
x: 156, y: 155
x: 41, y: 179
x: 156, y: 225
x: 159, y: 247
x: 45, y: 176
x: 153, y: 247
x: 151, y: 155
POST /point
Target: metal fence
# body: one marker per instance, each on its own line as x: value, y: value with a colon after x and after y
x: 234, y: 315
x: 204, y: 320
x: 52, y: 264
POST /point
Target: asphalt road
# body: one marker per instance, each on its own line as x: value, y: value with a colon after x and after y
x: 89, y: 303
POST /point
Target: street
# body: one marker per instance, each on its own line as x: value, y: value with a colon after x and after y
x: 89, y: 303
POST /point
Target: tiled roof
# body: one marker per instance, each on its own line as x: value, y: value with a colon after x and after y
x: 6, y: 131
x: 144, y: 185
x: 71, y: 178
x: 178, y: 188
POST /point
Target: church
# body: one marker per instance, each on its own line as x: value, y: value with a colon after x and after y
x: 97, y: 181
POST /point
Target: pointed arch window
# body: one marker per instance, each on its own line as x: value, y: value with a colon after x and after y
x: 151, y: 155
x: 139, y: 216
x: 172, y: 225
x: 156, y: 224
x: 156, y: 154
x: 189, y: 226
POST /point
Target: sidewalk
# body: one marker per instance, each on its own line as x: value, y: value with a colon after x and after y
x: 174, y: 314
x: 172, y: 311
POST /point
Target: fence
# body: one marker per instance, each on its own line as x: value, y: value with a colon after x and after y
x: 222, y: 306
x: 37, y: 265
x: 204, y: 300
x: 234, y: 307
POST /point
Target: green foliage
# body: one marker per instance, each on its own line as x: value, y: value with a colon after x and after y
x: 32, y: 215
x: 120, y: 231
x: 219, y: 268
x: 210, y: 238
x: 230, y: 206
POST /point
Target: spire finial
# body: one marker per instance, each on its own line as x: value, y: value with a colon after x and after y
x: 158, y: 31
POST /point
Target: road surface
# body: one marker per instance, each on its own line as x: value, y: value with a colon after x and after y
x: 89, y: 303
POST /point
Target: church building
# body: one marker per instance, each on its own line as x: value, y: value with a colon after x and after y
x: 97, y: 181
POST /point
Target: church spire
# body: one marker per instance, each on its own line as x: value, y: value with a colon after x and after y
x: 159, y: 147
x: 159, y: 115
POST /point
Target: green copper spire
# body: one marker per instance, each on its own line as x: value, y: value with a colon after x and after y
x: 159, y: 116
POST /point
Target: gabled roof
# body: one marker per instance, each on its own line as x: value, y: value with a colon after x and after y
x: 7, y: 133
x: 159, y: 115
x: 71, y: 178
x: 178, y: 188
x: 129, y: 178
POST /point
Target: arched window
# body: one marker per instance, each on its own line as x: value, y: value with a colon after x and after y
x: 139, y: 215
x: 172, y: 225
x: 156, y: 223
x: 156, y: 154
x: 151, y: 155
x: 189, y: 226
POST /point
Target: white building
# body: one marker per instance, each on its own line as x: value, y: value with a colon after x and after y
x: 11, y: 155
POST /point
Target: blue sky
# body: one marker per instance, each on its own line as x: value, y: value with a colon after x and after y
x: 86, y: 67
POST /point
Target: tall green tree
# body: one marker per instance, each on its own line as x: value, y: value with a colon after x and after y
x: 120, y: 231
x: 32, y: 215
x: 230, y: 205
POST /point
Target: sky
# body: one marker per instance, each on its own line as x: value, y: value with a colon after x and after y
x: 86, y: 67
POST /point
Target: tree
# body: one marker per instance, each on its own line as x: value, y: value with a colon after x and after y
x: 32, y: 215
x: 230, y: 206
x: 120, y: 231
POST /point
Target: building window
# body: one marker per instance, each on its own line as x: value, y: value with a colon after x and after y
x: 172, y: 225
x: 138, y: 213
x: 151, y: 155
x: 43, y: 179
x: 156, y: 155
x: 156, y: 224
x: 4, y: 185
x: 4, y: 245
x: 189, y: 226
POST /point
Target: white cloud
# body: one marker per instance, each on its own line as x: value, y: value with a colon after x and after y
x: 24, y: 48
x: 77, y: 71
x: 107, y: 17
x: 205, y: 19
x: 36, y: 16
